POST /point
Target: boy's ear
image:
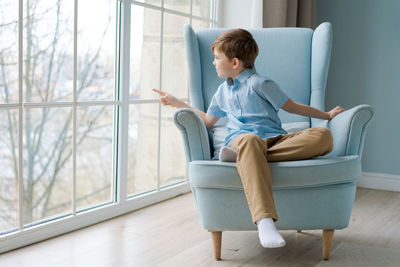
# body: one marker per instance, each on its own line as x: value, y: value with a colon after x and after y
x: 236, y: 62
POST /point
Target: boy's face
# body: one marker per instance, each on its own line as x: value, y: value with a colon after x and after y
x: 224, y: 66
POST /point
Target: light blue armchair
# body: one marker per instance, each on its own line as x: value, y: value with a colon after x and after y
x: 309, y: 194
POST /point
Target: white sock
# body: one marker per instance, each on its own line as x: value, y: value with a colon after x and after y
x: 227, y: 154
x: 269, y: 236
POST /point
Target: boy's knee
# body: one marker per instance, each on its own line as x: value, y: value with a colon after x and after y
x: 325, y: 133
x: 248, y: 138
x: 326, y: 138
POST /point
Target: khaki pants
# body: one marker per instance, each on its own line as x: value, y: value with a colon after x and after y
x: 254, y: 154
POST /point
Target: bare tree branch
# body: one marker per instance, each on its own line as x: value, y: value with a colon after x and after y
x: 42, y: 73
x: 86, y: 197
x: 59, y: 164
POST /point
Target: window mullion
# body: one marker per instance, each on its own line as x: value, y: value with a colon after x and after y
x: 20, y: 117
x: 116, y: 96
x: 191, y: 12
x: 159, y: 104
x: 124, y: 59
x: 74, y: 107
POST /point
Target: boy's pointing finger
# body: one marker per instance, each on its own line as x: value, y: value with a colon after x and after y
x: 159, y: 92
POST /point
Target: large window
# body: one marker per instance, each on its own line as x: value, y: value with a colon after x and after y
x: 158, y: 61
x: 82, y: 135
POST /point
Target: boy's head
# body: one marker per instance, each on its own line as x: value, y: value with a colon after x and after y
x: 237, y: 43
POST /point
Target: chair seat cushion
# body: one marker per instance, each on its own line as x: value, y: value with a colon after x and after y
x: 290, y: 174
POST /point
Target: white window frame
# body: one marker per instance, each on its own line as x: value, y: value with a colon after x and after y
x: 26, y: 235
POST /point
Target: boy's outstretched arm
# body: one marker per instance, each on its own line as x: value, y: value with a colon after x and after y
x: 304, y: 110
x: 169, y: 100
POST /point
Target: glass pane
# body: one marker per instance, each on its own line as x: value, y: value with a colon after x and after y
x: 201, y: 8
x: 172, y: 155
x: 9, y: 170
x: 96, y: 49
x: 48, y: 50
x: 8, y: 51
x: 200, y: 24
x: 94, y: 158
x: 47, y: 163
x: 145, y: 52
x: 175, y: 74
x: 142, y: 148
x: 178, y: 5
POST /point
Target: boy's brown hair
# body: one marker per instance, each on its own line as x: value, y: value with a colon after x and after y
x: 237, y: 43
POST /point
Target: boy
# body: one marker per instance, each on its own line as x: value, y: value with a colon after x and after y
x: 251, y: 102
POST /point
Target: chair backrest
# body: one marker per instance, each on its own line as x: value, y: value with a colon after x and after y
x: 296, y: 58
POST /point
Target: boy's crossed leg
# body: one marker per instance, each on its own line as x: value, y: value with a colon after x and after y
x: 290, y: 146
x: 305, y: 144
x: 253, y: 154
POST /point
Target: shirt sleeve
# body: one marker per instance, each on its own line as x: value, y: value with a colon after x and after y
x: 215, y: 106
x: 273, y: 93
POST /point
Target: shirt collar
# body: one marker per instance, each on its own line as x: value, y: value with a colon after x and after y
x: 242, y: 77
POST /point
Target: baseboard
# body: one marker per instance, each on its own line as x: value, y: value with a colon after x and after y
x: 380, y: 181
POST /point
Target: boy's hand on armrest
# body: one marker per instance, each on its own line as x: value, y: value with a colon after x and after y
x: 304, y: 110
x: 169, y: 100
x: 332, y: 113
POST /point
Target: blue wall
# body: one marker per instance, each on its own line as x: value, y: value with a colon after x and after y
x: 365, y: 68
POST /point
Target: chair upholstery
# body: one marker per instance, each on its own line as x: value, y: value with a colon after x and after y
x: 309, y: 194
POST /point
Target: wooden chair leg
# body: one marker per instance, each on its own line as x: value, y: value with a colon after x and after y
x: 217, y: 241
x: 327, y: 238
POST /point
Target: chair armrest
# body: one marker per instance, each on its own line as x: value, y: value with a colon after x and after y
x: 348, y: 129
x: 194, y: 133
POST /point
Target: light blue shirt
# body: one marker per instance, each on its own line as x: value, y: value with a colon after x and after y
x: 251, y: 103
